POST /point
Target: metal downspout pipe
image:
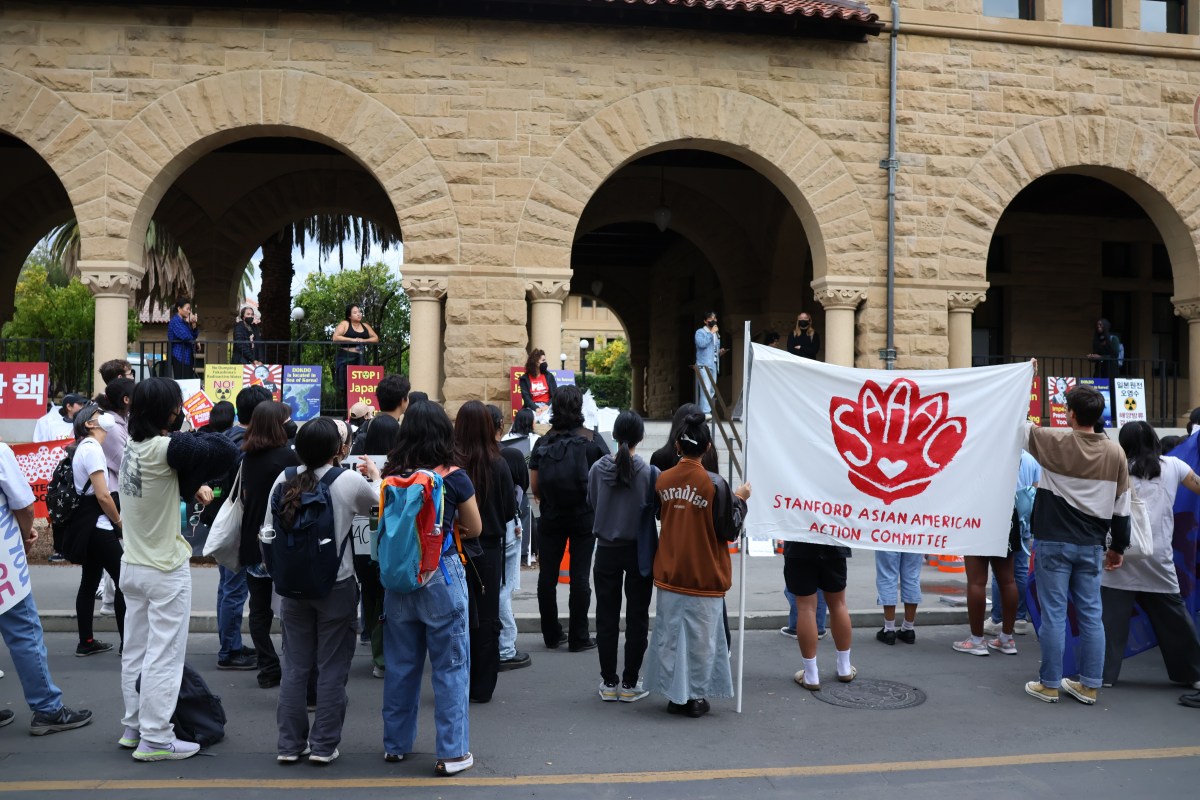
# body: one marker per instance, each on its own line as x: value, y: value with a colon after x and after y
x: 892, y: 165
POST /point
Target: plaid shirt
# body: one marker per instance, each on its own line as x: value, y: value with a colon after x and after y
x: 182, y: 339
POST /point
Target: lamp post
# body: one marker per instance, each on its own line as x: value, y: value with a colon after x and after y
x: 584, y: 344
x: 562, y: 359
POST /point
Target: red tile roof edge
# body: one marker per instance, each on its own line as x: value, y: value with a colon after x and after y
x: 824, y: 9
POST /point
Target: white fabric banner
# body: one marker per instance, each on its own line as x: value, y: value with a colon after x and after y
x: 918, y: 461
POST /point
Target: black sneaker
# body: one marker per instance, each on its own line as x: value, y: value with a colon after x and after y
x: 885, y: 636
x: 907, y: 636
x: 238, y: 661
x: 519, y: 661
x: 56, y: 558
x: 62, y: 720
x: 6, y: 716
x: 590, y: 644
x: 562, y: 639
x: 249, y: 652
x: 91, y: 647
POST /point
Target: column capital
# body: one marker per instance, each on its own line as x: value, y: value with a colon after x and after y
x: 965, y: 299
x: 840, y: 297
x: 550, y: 290
x: 1188, y: 308
x: 110, y: 278
x: 424, y: 288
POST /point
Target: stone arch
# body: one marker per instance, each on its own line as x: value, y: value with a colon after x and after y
x: 1143, y: 164
x: 166, y: 137
x: 755, y: 132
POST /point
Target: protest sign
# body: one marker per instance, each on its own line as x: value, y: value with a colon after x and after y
x: 541, y: 416
x: 1102, y: 386
x: 302, y: 391
x: 14, y: 568
x: 1035, y: 401
x: 1058, y: 388
x: 916, y: 461
x: 360, y: 384
x: 222, y: 382
x: 269, y: 376
x: 198, y: 408
x: 23, y: 389
x: 37, y: 462
x: 1131, y: 400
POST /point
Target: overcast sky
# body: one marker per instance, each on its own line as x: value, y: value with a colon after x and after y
x: 311, y: 262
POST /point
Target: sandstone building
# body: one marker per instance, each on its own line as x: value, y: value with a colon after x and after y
x: 1048, y: 172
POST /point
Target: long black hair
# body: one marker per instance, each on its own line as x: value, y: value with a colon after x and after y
x: 522, y: 423
x: 425, y: 440
x: 667, y: 454
x: 1142, y: 448
x: 155, y: 401
x: 693, y: 438
x: 475, y: 448
x: 566, y: 409
x: 628, y: 431
x: 115, y: 394
x: 316, y: 443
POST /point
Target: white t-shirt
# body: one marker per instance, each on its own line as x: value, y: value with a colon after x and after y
x: 89, y: 458
x: 1157, y: 573
x: 52, y: 427
x: 15, y: 493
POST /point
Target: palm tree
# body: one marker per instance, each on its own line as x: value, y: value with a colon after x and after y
x: 168, y: 274
x: 329, y: 232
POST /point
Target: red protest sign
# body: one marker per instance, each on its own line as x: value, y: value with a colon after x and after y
x: 198, y: 408
x: 37, y: 462
x: 360, y: 384
x: 23, y: 389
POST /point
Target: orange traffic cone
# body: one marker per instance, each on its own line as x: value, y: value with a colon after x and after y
x: 564, y: 569
x: 951, y: 564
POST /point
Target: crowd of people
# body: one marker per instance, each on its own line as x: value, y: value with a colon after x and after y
x: 643, y: 529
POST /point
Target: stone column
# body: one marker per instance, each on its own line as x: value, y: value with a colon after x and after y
x: 113, y: 284
x: 1190, y: 310
x: 840, y: 303
x: 545, y: 314
x: 425, y: 296
x: 961, y: 307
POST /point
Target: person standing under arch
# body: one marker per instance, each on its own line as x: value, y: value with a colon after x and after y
x: 181, y: 339
x: 247, y: 341
x: 804, y: 341
x: 351, y: 334
x: 708, y: 354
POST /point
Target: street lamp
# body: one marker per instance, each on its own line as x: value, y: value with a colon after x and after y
x: 584, y: 344
x: 562, y: 358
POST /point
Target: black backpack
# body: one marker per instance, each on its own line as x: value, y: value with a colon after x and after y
x: 61, y: 497
x: 563, y: 472
x: 304, y: 557
x: 199, y: 716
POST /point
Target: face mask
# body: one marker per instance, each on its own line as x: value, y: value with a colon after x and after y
x: 290, y: 429
x: 106, y: 422
x: 711, y: 322
x: 177, y: 422
x: 543, y: 368
x: 803, y: 324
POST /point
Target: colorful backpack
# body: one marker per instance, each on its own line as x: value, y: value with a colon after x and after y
x: 411, y: 541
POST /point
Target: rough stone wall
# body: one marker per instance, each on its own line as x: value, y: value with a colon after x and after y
x: 490, y: 137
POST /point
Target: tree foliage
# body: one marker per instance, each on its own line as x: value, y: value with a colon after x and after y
x: 612, y: 359
x: 45, y: 311
x: 375, y: 289
x: 168, y: 274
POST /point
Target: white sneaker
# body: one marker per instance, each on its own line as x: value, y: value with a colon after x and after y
x: 631, y: 694
x: 608, y: 692
x: 175, y: 751
x: 292, y: 758
x: 107, y: 611
x: 1009, y: 648
x: 991, y: 628
x: 1022, y: 627
x: 970, y: 647
x: 313, y: 758
x: 130, y: 738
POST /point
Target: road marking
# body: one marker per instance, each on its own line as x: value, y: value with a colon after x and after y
x: 688, y: 776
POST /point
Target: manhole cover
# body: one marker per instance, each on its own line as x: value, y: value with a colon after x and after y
x: 871, y: 694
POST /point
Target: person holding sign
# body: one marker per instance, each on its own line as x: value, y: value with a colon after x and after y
x: 20, y: 625
x: 351, y: 334
x: 689, y: 656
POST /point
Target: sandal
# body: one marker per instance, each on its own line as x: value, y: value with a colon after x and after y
x: 448, y: 768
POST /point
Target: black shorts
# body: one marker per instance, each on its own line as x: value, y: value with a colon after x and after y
x: 803, y: 576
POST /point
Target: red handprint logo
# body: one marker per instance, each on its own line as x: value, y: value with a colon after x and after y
x: 895, y: 442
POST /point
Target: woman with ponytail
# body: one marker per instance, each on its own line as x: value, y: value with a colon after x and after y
x: 689, y: 655
x: 621, y: 490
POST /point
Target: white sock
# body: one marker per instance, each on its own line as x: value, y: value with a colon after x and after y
x: 1005, y: 638
x: 811, y: 673
x: 976, y: 640
x: 889, y: 624
x: 843, y: 662
x: 906, y: 626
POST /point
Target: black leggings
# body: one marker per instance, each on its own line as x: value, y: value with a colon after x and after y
x: 103, y: 555
x: 261, y: 617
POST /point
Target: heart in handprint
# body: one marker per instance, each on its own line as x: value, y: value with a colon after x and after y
x: 895, y: 441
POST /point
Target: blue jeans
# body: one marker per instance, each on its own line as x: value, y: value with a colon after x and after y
x: 822, y: 610
x: 1070, y: 572
x: 22, y: 631
x: 512, y: 582
x: 1021, y: 572
x: 231, y: 600
x: 432, y: 619
x: 897, y: 570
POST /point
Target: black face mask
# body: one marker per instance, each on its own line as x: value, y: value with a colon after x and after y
x: 177, y: 422
x: 710, y: 323
x: 290, y: 429
x: 803, y: 324
x: 543, y: 368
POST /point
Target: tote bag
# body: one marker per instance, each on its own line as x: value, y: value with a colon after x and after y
x: 1141, y: 538
x: 225, y: 535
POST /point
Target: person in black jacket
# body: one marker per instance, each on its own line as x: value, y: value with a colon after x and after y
x: 247, y: 341
x: 476, y: 451
x: 537, y: 383
x: 667, y: 456
x: 804, y: 341
x: 566, y: 518
x: 518, y: 529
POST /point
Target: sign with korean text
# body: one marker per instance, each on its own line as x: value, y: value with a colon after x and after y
x: 198, y: 408
x: 1131, y: 400
x: 302, y: 391
x: 23, y: 389
x: 222, y: 382
x: 269, y: 376
x: 360, y: 384
x: 883, y: 460
x: 37, y: 462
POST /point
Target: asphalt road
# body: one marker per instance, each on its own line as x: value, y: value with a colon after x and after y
x: 546, y: 734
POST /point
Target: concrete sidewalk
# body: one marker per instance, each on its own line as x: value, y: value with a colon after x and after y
x: 54, y: 589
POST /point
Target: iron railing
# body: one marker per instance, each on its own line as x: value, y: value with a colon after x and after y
x: 70, y: 360
x: 390, y: 356
x: 1160, y: 376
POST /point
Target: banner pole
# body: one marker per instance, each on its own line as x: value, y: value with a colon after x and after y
x: 742, y: 538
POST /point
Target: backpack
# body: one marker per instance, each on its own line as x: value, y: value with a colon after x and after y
x: 304, y: 557
x: 563, y: 472
x: 199, y: 716
x: 411, y: 538
x: 61, y: 497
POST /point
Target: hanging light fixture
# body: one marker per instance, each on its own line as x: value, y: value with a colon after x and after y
x: 662, y: 214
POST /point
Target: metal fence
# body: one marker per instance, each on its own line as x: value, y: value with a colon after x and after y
x: 70, y: 360
x: 1160, y: 376
x: 390, y: 356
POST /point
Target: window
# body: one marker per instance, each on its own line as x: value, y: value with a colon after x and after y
x: 1116, y: 260
x: 1096, y: 13
x: 1164, y: 16
x: 585, y: 302
x: 1010, y: 9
